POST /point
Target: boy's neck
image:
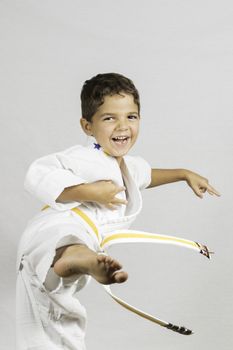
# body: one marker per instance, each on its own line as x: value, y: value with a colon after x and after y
x: 119, y: 160
x: 98, y: 147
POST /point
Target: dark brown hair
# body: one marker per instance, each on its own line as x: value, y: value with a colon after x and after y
x: 95, y: 89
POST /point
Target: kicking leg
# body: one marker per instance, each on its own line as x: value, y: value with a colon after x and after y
x: 76, y: 259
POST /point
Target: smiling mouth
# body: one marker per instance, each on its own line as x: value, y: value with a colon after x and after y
x: 120, y: 140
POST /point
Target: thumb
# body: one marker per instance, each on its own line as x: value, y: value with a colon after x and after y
x: 198, y: 192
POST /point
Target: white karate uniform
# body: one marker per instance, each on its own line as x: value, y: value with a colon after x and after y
x: 49, y: 314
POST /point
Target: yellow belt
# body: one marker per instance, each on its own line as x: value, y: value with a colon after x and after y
x: 133, y: 236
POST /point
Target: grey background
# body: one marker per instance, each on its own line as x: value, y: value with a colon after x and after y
x: 179, y: 54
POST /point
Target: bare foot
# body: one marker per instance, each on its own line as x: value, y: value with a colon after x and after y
x: 77, y: 259
x: 106, y: 270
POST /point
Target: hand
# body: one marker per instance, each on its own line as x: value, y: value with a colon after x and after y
x: 104, y: 192
x: 199, y: 184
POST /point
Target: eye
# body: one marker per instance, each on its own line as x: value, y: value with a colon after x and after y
x: 133, y: 117
x: 109, y: 118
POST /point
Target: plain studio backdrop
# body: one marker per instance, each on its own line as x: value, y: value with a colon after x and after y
x: 179, y: 53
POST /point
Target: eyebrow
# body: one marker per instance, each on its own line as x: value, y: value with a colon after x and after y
x: 114, y: 114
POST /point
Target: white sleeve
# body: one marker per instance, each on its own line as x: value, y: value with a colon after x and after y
x: 46, y: 179
x: 140, y: 170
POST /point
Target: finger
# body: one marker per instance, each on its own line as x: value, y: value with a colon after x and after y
x: 198, y: 192
x: 110, y: 206
x: 212, y: 191
x: 119, y: 201
x: 120, y: 189
x: 203, y: 189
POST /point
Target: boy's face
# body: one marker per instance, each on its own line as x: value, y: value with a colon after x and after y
x: 115, y: 125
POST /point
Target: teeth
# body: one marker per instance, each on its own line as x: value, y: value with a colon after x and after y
x: 120, y: 138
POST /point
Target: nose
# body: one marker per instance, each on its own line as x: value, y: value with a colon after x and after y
x: 122, y: 124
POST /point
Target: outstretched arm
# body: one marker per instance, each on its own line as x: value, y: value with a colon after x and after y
x: 198, y: 183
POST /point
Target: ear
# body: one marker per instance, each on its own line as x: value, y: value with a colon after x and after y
x: 86, y: 126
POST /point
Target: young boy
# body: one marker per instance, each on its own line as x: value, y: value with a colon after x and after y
x: 57, y: 254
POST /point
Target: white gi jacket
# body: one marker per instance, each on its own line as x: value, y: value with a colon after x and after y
x: 49, y: 315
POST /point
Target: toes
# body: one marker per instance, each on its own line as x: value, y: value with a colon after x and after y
x: 102, y: 258
x: 110, y: 267
x: 109, y: 262
x: 120, y: 277
x: 115, y: 265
